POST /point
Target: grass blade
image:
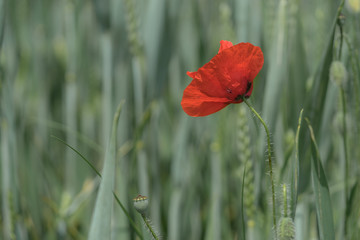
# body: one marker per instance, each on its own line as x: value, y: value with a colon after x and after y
x: 351, y: 199
x: 277, y: 63
x: 132, y: 223
x: 6, y: 186
x: 2, y: 21
x: 316, y: 103
x: 295, y: 172
x: 322, y: 195
x: 87, y: 161
x: 243, y: 235
x: 100, y: 227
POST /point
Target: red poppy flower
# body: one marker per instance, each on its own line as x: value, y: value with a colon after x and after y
x: 227, y: 78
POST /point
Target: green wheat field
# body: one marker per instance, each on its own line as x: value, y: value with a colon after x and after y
x: 90, y: 118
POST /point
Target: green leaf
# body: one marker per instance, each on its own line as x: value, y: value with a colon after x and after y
x: 317, y: 101
x: 132, y: 223
x: 294, y: 174
x: 352, y: 209
x: 101, y: 219
x: 350, y: 201
x: 2, y: 21
x: 278, y: 63
x: 243, y: 235
x: 315, y: 105
x: 322, y: 195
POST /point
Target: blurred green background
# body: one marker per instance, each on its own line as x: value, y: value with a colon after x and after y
x: 66, y: 64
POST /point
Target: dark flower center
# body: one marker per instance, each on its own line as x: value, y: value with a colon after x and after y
x: 248, y: 87
x: 239, y: 97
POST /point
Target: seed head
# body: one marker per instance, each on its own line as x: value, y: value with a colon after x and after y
x: 141, y: 203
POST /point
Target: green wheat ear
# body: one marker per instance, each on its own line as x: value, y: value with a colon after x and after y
x: 132, y: 27
x: 244, y: 155
x: 286, y: 227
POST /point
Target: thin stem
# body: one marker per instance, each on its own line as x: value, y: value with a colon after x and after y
x: 146, y: 220
x: 270, y: 163
x: 285, y: 200
x: 346, y: 170
x: 343, y: 100
x: 341, y: 39
x: 132, y: 223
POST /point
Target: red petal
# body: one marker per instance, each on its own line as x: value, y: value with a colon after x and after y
x: 236, y: 66
x: 224, y: 45
x: 191, y: 74
x: 220, y: 81
x: 228, y: 73
x: 198, y: 104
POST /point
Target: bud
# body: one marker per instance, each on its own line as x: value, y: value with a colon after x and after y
x: 141, y: 203
x: 341, y: 19
x: 338, y: 73
x: 286, y: 230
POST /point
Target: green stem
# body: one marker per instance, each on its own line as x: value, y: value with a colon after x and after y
x: 346, y: 170
x: 341, y: 39
x: 285, y: 200
x: 270, y: 163
x: 132, y: 223
x: 146, y: 220
x: 343, y: 100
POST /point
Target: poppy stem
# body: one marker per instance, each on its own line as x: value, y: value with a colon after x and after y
x: 270, y: 163
x: 148, y: 224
